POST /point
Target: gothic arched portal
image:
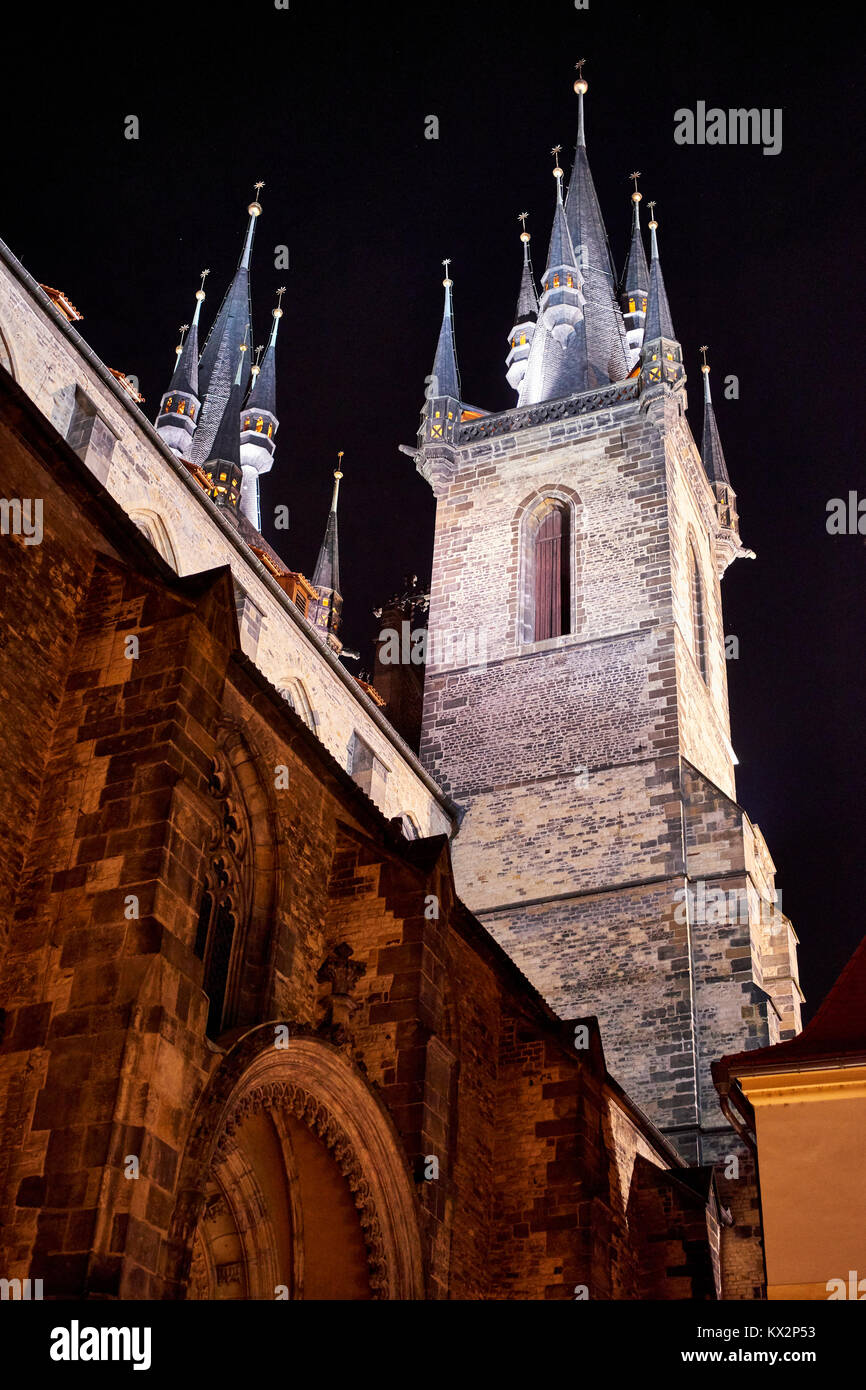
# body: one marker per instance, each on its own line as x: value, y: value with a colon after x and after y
x: 294, y: 1183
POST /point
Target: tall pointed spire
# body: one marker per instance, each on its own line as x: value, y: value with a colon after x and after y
x: 259, y: 424
x: 326, y: 576
x: 659, y: 323
x: 445, y: 376
x: 634, y: 286
x: 605, y: 335
x: 661, y: 356
x: 176, y: 421
x: 233, y: 321
x: 556, y: 365
x: 521, y: 335
x: 223, y: 464
x: 441, y: 412
x: 712, y: 454
x: 728, y: 545
x: 185, y: 377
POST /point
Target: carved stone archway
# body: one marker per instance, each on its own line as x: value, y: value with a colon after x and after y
x: 284, y: 1138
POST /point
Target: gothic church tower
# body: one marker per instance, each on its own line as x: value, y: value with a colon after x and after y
x: 576, y: 701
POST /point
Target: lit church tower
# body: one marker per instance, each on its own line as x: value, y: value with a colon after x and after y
x: 607, y: 349
x: 223, y: 464
x: 176, y: 422
x: 327, y: 609
x: 218, y: 359
x: 520, y: 338
x: 557, y: 360
x: 635, y: 282
x: 259, y: 425
x: 584, y: 727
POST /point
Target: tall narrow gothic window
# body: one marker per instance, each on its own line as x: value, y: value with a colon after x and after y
x: 225, y: 901
x: 551, y: 576
x: 699, y: 630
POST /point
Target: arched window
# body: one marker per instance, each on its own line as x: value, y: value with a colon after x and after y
x: 153, y: 526
x: 214, y: 941
x: 547, y: 529
x: 551, y: 574
x: 224, y: 906
x: 293, y: 691
x: 699, y: 625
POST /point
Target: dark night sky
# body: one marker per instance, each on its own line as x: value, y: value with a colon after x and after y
x: 327, y: 105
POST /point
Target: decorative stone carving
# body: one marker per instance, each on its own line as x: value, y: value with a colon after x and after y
x: 274, y: 1095
x: 342, y: 973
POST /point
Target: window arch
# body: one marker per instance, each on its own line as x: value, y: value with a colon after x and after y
x: 224, y: 906
x: 295, y: 694
x: 548, y: 604
x: 153, y: 526
x: 698, y: 612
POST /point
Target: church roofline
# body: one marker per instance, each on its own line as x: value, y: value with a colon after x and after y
x: 127, y: 408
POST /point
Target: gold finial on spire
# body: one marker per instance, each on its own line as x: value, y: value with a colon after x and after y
x: 703, y: 351
x: 447, y: 282
x: 255, y: 368
x: 557, y: 172
x: 200, y: 294
x: 521, y: 217
x: 337, y: 471
x: 581, y: 86
x: 179, y: 349
x: 653, y: 224
x: 278, y: 312
x: 255, y: 206
x: 637, y: 195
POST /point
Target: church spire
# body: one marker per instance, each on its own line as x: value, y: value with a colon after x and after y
x: 216, y: 367
x: 661, y: 354
x: 556, y: 365
x: 522, y: 333
x: 728, y: 545
x: 712, y: 453
x: 659, y: 323
x: 441, y: 412
x: 445, y: 376
x: 327, y: 611
x: 605, y: 334
x: 259, y: 424
x: 176, y: 421
x: 223, y: 464
x: 634, y: 286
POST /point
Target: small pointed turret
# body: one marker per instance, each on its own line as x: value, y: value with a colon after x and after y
x: 712, y: 453
x: 216, y: 368
x: 661, y: 354
x: 259, y: 424
x: 634, y: 286
x: 176, y: 421
x: 525, y: 319
x: 445, y: 376
x: 327, y: 611
x: 441, y: 413
x: 556, y: 365
x: 223, y: 464
x: 605, y: 335
x: 728, y: 545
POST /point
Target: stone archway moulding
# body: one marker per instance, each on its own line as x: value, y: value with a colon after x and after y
x: 323, y: 1088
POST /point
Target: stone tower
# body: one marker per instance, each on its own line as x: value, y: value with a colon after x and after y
x: 576, y: 702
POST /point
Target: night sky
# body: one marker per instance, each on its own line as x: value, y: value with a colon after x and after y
x: 327, y: 105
